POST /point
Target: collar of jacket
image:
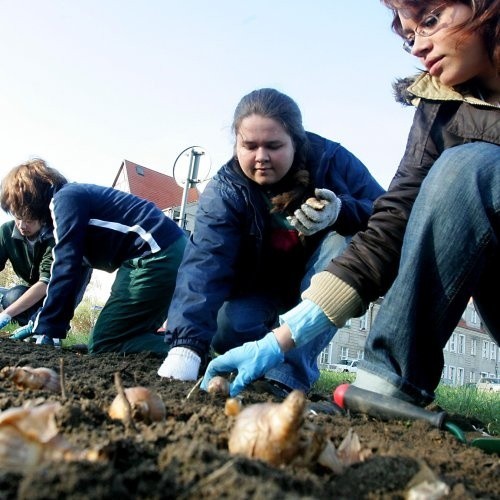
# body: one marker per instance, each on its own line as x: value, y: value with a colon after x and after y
x: 429, y: 87
x: 233, y: 170
x: 44, y: 234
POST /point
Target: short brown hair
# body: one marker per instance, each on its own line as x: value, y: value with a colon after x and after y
x: 484, y: 21
x: 28, y: 188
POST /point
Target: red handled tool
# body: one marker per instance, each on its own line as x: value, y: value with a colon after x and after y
x: 353, y: 398
x: 350, y: 397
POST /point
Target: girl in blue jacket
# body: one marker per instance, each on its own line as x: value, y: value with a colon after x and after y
x: 274, y: 215
x: 108, y: 230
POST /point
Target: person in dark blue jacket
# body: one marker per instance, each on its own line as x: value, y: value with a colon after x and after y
x: 274, y: 215
x: 109, y: 230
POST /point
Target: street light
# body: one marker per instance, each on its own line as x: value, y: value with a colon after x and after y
x: 198, y: 168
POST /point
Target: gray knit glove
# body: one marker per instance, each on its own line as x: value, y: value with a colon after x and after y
x: 316, y: 213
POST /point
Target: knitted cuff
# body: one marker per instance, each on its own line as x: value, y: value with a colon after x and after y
x: 306, y: 320
x: 338, y: 300
x: 181, y: 363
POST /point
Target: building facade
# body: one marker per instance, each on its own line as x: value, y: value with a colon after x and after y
x: 469, y: 354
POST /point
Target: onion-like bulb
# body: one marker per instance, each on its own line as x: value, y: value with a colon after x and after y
x: 218, y: 385
x: 26, y: 377
x: 146, y: 406
x: 269, y: 431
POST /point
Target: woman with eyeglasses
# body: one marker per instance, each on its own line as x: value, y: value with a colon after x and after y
x: 432, y: 241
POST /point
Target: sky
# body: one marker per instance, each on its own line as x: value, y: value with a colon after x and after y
x: 86, y: 84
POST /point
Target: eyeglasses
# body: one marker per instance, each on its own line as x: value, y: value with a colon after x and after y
x: 430, y: 24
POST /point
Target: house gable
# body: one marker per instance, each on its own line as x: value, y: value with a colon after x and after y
x: 151, y: 185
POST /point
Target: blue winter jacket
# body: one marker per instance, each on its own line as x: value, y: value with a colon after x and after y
x: 225, y: 253
x: 102, y: 227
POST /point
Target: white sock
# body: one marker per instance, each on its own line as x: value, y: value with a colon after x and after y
x: 181, y: 363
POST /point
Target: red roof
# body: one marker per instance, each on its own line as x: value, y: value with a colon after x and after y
x: 154, y: 186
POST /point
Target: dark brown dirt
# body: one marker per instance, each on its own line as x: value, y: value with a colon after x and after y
x: 186, y: 456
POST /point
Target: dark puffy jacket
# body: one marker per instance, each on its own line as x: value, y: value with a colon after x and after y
x: 444, y: 118
x: 225, y: 252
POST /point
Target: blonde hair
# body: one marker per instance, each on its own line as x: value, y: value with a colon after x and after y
x: 27, y: 189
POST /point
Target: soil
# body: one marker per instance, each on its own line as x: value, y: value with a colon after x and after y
x: 185, y: 456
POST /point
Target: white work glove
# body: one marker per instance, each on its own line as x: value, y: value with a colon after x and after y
x: 316, y: 213
x: 4, y: 319
x: 181, y: 363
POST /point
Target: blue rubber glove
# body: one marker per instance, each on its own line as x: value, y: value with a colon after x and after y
x: 251, y: 360
x: 23, y: 332
x: 4, y: 319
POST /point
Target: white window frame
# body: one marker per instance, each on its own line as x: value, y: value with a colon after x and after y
x: 493, y: 351
x: 453, y: 342
x: 324, y: 356
x: 474, y: 318
x: 452, y: 374
x: 461, y: 344
x: 473, y: 347
x: 485, y: 349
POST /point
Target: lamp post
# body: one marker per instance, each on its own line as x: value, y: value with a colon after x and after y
x: 192, y: 179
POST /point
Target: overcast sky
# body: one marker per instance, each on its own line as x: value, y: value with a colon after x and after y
x: 87, y: 83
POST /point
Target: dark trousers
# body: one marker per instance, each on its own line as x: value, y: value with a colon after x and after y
x: 138, y: 304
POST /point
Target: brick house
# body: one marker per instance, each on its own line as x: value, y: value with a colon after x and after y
x: 159, y: 188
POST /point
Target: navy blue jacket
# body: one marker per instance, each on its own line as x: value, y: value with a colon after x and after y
x: 225, y: 253
x: 102, y: 227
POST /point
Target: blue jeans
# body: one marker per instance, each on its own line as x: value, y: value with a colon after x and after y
x: 11, y: 295
x: 249, y: 318
x: 450, y: 253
